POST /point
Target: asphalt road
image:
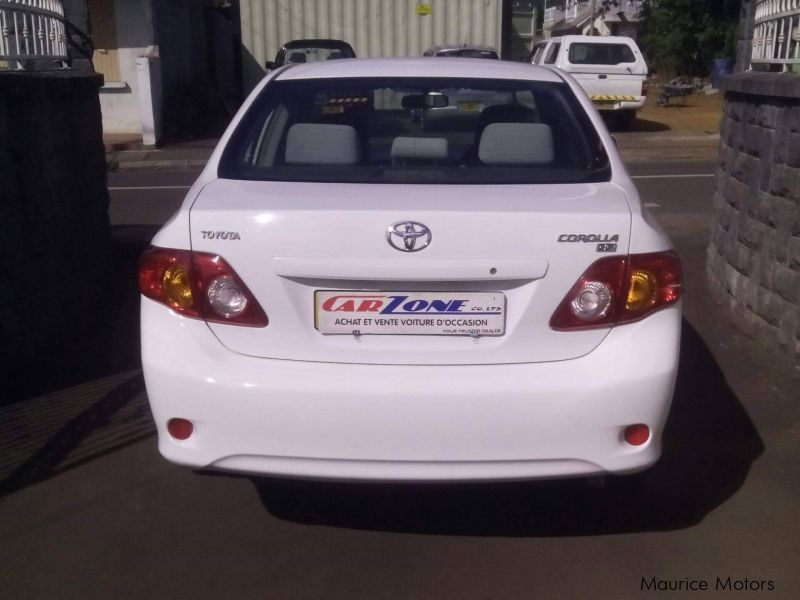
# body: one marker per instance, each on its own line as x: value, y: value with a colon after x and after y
x: 90, y: 510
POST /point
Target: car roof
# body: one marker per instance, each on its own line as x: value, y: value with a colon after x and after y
x: 467, y: 68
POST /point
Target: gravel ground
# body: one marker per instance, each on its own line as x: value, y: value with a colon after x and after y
x: 697, y: 114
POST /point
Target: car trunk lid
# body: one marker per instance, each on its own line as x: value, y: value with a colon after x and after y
x: 514, y: 249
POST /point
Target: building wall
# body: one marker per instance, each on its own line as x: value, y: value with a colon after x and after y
x: 754, y: 255
x: 196, y: 49
x: 567, y: 17
x: 181, y: 45
x: 375, y: 28
x: 119, y: 100
x: 181, y: 32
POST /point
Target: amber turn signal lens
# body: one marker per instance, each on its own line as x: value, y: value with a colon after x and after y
x: 643, y: 291
x: 177, y: 286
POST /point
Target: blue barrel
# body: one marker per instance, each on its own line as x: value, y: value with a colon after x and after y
x: 722, y: 67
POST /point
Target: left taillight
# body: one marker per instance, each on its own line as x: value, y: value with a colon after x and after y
x: 620, y: 289
x: 198, y: 285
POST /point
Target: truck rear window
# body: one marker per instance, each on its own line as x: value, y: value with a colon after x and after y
x: 416, y: 130
x: 600, y: 54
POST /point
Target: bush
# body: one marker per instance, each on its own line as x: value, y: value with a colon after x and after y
x: 683, y: 37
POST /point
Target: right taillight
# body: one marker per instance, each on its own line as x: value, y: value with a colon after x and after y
x: 620, y: 289
x: 198, y: 285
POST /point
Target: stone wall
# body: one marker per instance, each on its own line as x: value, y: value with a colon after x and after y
x: 754, y: 256
x: 54, y: 231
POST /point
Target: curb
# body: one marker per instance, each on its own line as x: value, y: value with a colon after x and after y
x: 112, y: 147
x: 143, y: 165
x: 640, y: 148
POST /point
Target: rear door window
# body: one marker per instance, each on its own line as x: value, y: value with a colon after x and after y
x: 537, y: 54
x: 552, y: 54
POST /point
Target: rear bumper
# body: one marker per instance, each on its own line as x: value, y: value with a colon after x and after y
x: 620, y: 105
x: 397, y: 422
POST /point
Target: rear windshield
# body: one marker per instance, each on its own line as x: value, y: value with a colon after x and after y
x: 408, y: 130
x: 600, y: 54
x: 315, y: 53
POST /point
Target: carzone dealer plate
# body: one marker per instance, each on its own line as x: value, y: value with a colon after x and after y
x: 410, y: 313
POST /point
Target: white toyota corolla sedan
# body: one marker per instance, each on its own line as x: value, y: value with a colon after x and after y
x: 346, y: 295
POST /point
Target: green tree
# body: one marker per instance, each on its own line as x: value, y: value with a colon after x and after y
x: 682, y: 37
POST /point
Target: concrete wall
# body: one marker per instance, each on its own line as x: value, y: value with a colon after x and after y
x: 754, y: 256
x: 135, y: 38
x: 55, y: 240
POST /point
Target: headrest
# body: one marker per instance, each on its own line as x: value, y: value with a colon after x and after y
x: 516, y: 144
x: 322, y: 144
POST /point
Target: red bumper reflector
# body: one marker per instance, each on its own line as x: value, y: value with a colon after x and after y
x: 636, y: 435
x: 180, y: 429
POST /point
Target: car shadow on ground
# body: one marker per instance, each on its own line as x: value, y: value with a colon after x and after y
x: 637, y: 125
x: 84, y: 402
x: 709, y: 445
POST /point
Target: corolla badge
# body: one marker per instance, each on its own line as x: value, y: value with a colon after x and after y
x: 408, y: 236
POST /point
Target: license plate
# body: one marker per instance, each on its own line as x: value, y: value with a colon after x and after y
x: 470, y: 107
x: 410, y: 313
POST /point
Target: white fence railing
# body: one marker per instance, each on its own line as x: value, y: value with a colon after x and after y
x: 552, y: 14
x: 32, y: 30
x: 576, y: 12
x: 776, y: 37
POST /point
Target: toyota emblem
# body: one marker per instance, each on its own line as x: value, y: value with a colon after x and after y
x: 408, y: 236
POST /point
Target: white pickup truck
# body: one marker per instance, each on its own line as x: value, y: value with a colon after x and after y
x: 611, y: 69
